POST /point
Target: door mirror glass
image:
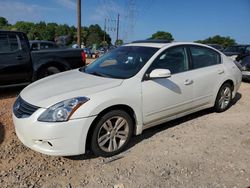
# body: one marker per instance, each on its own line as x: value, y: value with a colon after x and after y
x: 160, y: 73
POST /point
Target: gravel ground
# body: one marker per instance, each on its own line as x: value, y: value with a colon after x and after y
x: 205, y: 149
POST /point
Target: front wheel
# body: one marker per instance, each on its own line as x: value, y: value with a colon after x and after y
x: 224, y: 98
x: 111, y: 133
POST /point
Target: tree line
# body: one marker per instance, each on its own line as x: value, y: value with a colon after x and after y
x: 52, y: 31
x: 89, y: 35
x: 217, y: 39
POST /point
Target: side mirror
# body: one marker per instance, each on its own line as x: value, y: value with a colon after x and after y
x: 160, y: 73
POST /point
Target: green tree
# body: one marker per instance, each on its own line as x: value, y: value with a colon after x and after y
x: 217, y: 39
x: 119, y: 42
x: 95, y: 35
x: 162, y: 35
x: 84, y: 35
x: 53, y: 31
x: 25, y: 27
x: 3, y: 22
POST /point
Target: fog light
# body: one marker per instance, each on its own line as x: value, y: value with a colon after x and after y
x: 42, y: 142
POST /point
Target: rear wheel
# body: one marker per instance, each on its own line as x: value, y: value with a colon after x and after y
x: 48, y: 71
x: 224, y: 98
x: 111, y: 133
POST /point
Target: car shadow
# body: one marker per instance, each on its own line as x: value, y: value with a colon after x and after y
x: 148, y: 133
x: 2, y: 133
x: 246, y: 81
x: 236, y: 98
x: 162, y: 127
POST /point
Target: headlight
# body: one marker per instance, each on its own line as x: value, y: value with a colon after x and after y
x: 62, y: 111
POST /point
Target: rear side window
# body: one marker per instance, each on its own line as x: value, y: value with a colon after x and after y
x: 4, y: 43
x: 204, y: 57
x: 8, y: 43
x: 13, y: 41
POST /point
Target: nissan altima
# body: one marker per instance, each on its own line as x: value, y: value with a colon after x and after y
x: 133, y: 87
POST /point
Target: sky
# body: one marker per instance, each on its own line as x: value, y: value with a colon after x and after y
x: 186, y: 20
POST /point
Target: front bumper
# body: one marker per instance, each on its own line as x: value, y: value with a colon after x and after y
x: 59, y: 139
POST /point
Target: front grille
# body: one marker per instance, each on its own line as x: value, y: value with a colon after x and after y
x: 22, y: 109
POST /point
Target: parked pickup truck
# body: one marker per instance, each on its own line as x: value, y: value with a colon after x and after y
x: 19, y: 65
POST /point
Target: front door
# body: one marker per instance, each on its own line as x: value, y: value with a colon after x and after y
x: 165, y: 97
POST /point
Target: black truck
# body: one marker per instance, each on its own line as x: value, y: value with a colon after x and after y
x: 240, y: 51
x: 19, y: 65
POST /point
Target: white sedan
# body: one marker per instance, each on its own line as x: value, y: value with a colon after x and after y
x: 129, y: 89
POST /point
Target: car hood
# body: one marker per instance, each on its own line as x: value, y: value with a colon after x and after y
x: 67, y: 85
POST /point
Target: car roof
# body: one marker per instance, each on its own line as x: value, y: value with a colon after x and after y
x: 162, y: 45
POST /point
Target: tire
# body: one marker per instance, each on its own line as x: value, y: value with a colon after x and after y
x: 224, y: 98
x: 48, y: 71
x: 112, y: 133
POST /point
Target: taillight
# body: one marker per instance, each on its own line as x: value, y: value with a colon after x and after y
x: 83, y: 57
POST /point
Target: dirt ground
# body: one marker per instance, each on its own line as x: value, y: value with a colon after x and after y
x: 205, y: 149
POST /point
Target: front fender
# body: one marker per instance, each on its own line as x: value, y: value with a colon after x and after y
x: 113, y: 97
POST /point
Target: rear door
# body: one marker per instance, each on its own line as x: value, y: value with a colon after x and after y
x: 208, y: 72
x: 15, y: 63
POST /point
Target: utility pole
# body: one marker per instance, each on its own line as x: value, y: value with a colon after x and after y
x: 79, y: 23
x: 117, y: 29
x: 105, y: 25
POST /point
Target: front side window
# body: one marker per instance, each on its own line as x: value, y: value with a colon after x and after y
x: 123, y: 62
x: 34, y: 46
x: 175, y: 59
x: 203, y: 57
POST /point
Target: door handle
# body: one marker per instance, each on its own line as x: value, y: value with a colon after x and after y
x: 19, y: 57
x: 188, y: 81
x: 220, y: 71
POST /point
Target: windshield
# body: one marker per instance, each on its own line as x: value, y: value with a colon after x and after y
x: 123, y: 62
x: 236, y: 49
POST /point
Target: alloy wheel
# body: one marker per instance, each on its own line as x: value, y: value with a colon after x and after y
x: 225, y: 97
x: 113, y: 134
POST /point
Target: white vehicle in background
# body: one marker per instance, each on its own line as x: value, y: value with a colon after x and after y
x: 129, y: 89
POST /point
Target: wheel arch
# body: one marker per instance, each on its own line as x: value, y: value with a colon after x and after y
x: 123, y: 107
x: 230, y: 81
